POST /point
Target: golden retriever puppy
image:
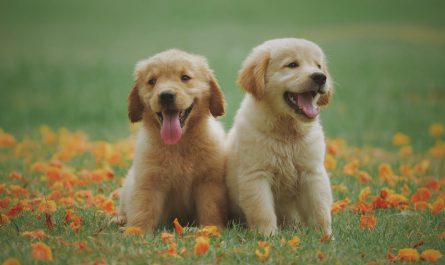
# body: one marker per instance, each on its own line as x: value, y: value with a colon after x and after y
x: 178, y: 168
x: 276, y: 149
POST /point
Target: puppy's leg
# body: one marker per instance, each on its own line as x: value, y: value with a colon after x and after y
x: 211, y: 203
x: 144, y: 208
x: 256, y: 201
x: 315, y: 200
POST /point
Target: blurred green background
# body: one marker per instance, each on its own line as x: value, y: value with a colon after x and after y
x: 70, y: 63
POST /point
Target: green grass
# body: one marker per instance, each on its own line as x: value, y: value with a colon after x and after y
x: 70, y: 64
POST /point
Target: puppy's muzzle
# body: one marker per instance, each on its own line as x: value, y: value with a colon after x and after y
x: 319, y: 79
x: 167, y: 99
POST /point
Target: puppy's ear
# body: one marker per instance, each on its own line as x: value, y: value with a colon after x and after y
x: 216, y: 102
x: 252, y: 76
x: 135, y: 106
x: 326, y: 97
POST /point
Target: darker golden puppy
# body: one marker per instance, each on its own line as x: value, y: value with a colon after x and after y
x: 178, y: 168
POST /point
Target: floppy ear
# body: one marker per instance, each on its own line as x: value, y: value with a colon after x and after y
x: 216, y: 102
x: 326, y: 97
x: 252, y: 76
x: 135, y: 106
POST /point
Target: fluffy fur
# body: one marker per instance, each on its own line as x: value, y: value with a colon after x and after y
x: 275, y: 167
x: 183, y: 179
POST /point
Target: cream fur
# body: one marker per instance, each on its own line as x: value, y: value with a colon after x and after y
x: 275, y: 170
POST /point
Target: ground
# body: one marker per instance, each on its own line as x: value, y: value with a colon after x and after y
x: 69, y: 65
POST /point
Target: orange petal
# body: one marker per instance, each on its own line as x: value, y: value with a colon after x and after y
x: 202, y: 245
x: 133, y: 231
x: 431, y: 255
x: 263, y: 256
x: 178, y: 227
x: 408, y: 254
x: 40, y: 251
x: 422, y: 194
x: 294, y: 242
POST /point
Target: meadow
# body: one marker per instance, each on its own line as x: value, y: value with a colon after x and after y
x: 66, y: 143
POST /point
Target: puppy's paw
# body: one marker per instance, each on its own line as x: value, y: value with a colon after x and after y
x: 118, y: 220
x: 267, y: 230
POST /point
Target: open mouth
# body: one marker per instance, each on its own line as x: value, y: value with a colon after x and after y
x: 172, y: 122
x: 182, y: 115
x: 303, y: 103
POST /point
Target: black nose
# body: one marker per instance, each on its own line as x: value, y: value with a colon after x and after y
x: 167, y: 97
x: 319, y: 78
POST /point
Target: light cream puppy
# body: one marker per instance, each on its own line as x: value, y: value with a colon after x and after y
x: 276, y: 148
x: 178, y: 167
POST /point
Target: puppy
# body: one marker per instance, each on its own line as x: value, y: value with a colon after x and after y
x: 178, y: 168
x: 276, y: 148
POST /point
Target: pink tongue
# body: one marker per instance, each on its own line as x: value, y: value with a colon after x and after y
x: 305, y: 103
x: 171, y: 127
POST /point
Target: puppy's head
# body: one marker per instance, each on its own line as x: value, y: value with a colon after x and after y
x: 171, y: 89
x: 290, y: 75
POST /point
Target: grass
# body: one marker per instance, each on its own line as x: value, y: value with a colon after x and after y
x: 70, y: 65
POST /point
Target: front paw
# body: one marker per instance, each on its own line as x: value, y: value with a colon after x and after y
x: 267, y: 229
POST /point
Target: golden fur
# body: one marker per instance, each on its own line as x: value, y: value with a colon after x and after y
x: 275, y: 165
x: 186, y: 179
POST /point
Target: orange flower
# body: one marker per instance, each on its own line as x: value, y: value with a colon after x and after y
x: 210, y: 230
x: 339, y: 205
x: 133, y: 231
x: 263, y: 244
x: 406, y: 170
x: 17, y: 191
x: 167, y: 237
x: 437, y: 206
x: 202, y: 245
x: 351, y: 168
x: 49, y: 137
x: 422, y: 166
x: 38, y: 234
x: 422, y: 194
x: 4, y: 219
x: 6, y: 140
x: 325, y: 238
x: 11, y: 261
x: 421, y: 205
x: 178, y: 227
x: 386, y: 174
x: 4, y: 203
x: 263, y: 256
x: 339, y: 187
x: 330, y: 164
x: 171, y: 251
x: 408, y: 254
x: 364, y: 177
x: 364, y: 194
x: 321, y: 256
x: 16, y: 209
x: 406, y: 151
x: 397, y: 200
x: 368, y: 222
x: 431, y: 255
x: 436, y: 129
x: 405, y: 189
x: 433, y: 185
x: 47, y: 207
x: 40, y: 251
x: 400, y: 139
x: 294, y: 242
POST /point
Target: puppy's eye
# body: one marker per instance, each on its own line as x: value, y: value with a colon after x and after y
x: 319, y: 66
x: 185, y: 77
x: 292, y: 65
x: 152, y: 82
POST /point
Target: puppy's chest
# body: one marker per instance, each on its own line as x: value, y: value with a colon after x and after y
x: 288, y: 164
